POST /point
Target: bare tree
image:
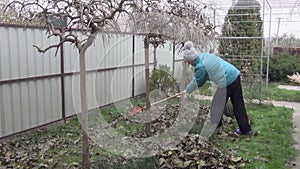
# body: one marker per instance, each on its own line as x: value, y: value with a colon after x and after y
x: 287, y: 41
x: 67, y: 19
x: 175, y: 20
x: 11, y: 15
x: 178, y: 20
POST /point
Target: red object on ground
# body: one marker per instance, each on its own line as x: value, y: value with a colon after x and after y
x: 136, y: 110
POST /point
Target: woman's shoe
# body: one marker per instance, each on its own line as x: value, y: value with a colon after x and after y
x: 239, y: 132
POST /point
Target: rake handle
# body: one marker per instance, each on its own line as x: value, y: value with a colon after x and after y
x: 166, y: 99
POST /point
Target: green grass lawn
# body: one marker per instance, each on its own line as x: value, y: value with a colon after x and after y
x: 272, y: 92
x: 60, y: 146
x: 272, y: 144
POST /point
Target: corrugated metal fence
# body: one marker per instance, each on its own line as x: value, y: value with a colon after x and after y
x: 38, y: 89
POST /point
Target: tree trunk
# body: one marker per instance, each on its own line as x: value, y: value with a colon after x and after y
x: 84, y: 111
x: 154, y: 58
x: 84, y: 108
x: 147, y: 77
x: 182, y: 86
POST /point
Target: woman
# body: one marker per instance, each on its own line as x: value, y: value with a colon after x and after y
x: 226, y: 77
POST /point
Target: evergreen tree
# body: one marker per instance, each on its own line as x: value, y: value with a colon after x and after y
x: 242, y: 39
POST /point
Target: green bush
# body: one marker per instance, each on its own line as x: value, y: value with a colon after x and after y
x: 283, y: 65
x: 162, y: 78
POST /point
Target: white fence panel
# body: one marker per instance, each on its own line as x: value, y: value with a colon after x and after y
x: 27, y: 103
x: 7, y: 117
x: 19, y: 59
x: 72, y: 92
x: 178, y: 64
x: 107, y: 73
x: 4, y: 61
x: 139, y: 51
x: 31, y: 82
x: 165, y: 55
x: 71, y: 59
x: 2, y: 120
x: 139, y: 59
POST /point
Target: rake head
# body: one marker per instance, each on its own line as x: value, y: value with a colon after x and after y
x: 136, y: 110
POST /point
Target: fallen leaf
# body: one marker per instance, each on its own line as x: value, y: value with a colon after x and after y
x: 236, y: 159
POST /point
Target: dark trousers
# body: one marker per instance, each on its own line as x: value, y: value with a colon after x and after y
x: 235, y: 93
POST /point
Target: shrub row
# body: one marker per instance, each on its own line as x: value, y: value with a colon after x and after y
x: 281, y: 66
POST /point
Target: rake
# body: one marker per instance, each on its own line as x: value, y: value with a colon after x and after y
x: 138, y: 109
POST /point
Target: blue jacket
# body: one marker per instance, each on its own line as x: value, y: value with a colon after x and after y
x: 211, y: 67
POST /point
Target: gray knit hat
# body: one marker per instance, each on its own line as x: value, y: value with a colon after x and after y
x: 189, y: 53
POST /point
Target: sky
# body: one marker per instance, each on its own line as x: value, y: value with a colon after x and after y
x: 282, y: 16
